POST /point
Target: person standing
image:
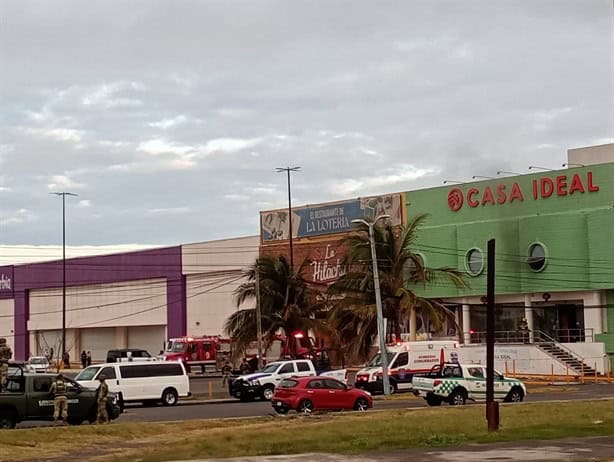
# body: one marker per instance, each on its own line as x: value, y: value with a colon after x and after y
x: 244, y: 367
x: 89, y: 358
x: 5, y: 355
x: 59, y: 389
x: 101, y: 400
x: 226, y: 370
x: 66, y: 360
x: 83, y: 359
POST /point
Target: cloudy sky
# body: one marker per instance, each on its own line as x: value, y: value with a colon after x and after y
x: 168, y: 118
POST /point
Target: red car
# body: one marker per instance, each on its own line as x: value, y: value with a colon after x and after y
x: 306, y: 394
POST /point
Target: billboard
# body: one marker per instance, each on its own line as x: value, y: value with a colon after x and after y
x: 329, y: 218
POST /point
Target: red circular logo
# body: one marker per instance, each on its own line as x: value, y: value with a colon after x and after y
x: 455, y: 199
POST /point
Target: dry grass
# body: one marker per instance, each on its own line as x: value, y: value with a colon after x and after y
x: 339, y: 433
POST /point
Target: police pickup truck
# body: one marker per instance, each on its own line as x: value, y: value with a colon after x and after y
x: 455, y: 383
x: 28, y: 397
x: 262, y: 384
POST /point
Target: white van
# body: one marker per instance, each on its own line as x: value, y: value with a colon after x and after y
x: 163, y: 381
x: 404, y: 360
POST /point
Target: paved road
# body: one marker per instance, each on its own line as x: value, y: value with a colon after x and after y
x: 234, y: 408
x: 259, y: 408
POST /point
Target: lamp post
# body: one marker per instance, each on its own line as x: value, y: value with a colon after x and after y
x: 63, y: 194
x: 378, y: 303
x: 288, y: 170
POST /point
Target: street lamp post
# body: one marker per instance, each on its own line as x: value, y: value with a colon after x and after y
x: 378, y: 303
x: 288, y: 170
x: 63, y: 194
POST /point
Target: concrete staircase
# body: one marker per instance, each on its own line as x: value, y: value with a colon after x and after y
x: 565, y: 356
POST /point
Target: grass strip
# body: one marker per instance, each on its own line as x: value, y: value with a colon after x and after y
x: 336, y: 433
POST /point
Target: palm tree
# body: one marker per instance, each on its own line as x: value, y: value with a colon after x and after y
x: 401, y: 271
x: 284, y: 304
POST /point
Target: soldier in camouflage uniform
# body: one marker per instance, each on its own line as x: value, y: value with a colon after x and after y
x: 5, y: 355
x: 101, y: 398
x: 59, y: 389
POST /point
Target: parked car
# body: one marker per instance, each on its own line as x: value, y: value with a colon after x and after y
x: 307, y: 394
x: 28, y: 397
x: 455, y: 383
x: 38, y: 364
x: 127, y: 354
x: 155, y: 381
x: 262, y: 383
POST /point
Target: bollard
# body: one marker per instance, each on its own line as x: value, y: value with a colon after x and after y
x: 210, y: 390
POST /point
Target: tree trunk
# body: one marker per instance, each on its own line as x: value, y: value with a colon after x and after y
x: 412, y: 324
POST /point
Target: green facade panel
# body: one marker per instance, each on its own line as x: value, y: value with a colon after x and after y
x: 570, y: 212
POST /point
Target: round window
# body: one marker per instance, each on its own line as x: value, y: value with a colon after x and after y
x: 537, y: 257
x: 474, y: 262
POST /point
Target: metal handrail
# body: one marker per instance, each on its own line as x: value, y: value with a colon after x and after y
x: 538, y: 334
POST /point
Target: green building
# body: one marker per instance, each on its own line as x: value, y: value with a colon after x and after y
x: 554, y: 237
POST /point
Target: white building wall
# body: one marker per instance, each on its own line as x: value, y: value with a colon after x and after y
x: 7, y: 322
x: 133, y: 303
x: 213, y: 271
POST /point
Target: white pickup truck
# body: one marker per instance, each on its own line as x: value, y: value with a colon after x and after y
x: 262, y: 383
x: 456, y: 383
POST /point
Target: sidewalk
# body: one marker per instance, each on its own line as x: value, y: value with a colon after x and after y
x: 597, y: 449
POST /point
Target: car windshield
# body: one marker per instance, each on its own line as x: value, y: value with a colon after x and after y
x: 270, y: 368
x: 88, y: 373
x: 38, y: 361
x: 376, y: 361
x: 176, y: 347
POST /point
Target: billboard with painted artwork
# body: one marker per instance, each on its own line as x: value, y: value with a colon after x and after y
x: 329, y: 218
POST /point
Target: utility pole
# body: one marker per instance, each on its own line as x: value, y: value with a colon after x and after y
x: 288, y: 170
x: 381, y: 328
x: 63, y: 194
x: 492, y: 407
x: 258, y: 315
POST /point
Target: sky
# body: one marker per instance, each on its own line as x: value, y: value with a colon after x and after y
x: 169, y: 118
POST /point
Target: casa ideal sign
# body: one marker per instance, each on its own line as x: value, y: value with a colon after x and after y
x: 540, y: 188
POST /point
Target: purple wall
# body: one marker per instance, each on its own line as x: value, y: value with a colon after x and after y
x: 156, y: 263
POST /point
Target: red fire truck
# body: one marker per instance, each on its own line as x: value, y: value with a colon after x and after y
x: 209, y: 352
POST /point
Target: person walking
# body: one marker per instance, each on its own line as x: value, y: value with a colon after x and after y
x: 59, y: 389
x: 89, y: 358
x: 5, y: 355
x: 226, y: 370
x: 101, y: 400
x: 83, y: 359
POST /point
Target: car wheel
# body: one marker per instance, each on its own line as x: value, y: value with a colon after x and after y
x: 169, y: 397
x: 7, y: 419
x: 281, y: 409
x: 392, y: 388
x: 361, y: 405
x: 305, y: 407
x: 457, y: 398
x: 267, y: 392
x: 515, y: 395
x: 433, y: 401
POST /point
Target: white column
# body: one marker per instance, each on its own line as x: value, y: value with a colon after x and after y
x: 466, y: 324
x: 528, y: 314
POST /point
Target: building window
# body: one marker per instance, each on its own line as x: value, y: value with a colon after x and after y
x: 474, y: 262
x: 537, y: 257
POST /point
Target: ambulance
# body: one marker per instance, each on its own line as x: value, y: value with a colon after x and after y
x: 404, y: 360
